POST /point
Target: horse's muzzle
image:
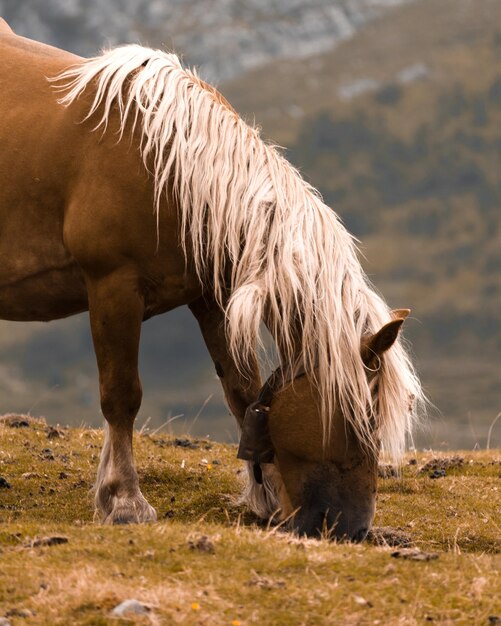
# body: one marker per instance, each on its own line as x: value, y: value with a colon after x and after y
x: 323, y: 524
x: 331, y: 511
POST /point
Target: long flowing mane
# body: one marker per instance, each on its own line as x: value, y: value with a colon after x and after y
x: 260, y: 232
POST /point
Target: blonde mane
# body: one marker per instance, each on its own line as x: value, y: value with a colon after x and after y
x: 258, y: 230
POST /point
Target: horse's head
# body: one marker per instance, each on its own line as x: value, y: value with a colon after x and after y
x: 327, y: 488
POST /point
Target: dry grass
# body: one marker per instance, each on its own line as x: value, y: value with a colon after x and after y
x: 242, y: 573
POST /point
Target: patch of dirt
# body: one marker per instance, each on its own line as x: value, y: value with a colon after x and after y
x: 54, y: 433
x: 388, y: 536
x: 265, y: 583
x: 203, y: 543
x: 22, y: 613
x: 414, y: 554
x: 39, y: 542
x: 15, y: 420
x: 47, y: 454
x: 185, y: 443
x: 442, y: 463
x: 387, y: 471
x: 438, y: 473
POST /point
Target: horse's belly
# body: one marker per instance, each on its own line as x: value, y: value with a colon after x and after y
x: 50, y: 293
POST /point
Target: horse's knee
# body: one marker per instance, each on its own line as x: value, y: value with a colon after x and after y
x: 121, y: 401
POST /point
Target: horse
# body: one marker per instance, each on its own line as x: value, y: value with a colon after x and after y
x: 128, y: 187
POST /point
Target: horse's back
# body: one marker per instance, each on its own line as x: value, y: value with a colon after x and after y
x: 4, y: 27
x: 9, y: 38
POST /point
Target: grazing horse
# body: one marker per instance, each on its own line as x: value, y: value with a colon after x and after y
x: 129, y: 187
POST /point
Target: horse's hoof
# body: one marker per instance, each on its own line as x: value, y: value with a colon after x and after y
x: 119, y: 521
x: 131, y: 511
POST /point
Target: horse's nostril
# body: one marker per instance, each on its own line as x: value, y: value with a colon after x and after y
x: 360, y: 535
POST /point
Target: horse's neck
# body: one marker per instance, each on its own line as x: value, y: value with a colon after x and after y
x: 296, y: 364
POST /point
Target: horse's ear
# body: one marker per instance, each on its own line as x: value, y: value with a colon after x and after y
x: 375, y: 345
x: 400, y: 314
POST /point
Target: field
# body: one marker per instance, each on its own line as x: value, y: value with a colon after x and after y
x: 434, y: 556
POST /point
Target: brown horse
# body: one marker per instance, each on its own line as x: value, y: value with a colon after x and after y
x: 129, y: 187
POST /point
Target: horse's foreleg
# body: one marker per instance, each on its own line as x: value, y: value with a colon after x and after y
x: 240, y: 391
x: 116, y: 312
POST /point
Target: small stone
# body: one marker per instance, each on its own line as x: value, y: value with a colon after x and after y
x: 203, y: 543
x: 130, y: 607
x: 4, y: 621
x: 3, y: 483
x: 24, y: 613
x: 361, y: 601
x: 63, y: 475
x: 30, y: 475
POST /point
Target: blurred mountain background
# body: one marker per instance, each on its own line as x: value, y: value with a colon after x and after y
x: 393, y: 110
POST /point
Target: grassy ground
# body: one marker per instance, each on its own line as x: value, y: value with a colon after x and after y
x: 207, y: 561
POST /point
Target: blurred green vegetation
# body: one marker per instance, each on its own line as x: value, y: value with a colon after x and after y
x: 438, y: 191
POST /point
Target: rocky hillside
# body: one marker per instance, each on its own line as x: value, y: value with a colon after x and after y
x: 400, y: 128
x: 225, y: 37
